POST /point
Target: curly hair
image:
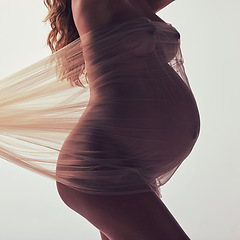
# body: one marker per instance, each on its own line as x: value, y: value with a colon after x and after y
x: 62, y: 33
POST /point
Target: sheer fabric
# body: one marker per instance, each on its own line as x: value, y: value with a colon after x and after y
x: 129, y: 126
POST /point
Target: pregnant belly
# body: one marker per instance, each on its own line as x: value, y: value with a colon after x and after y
x: 164, y: 114
x: 153, y: 133
x: 160, y: 100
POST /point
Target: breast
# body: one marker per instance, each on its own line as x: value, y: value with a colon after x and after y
x: 169, y: 42
x: 162, y: 37
x: 139, y: 43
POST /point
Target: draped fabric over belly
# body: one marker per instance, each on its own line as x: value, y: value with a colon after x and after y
x: 129, y: 128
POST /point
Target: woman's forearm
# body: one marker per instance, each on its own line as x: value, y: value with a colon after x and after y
x: 159, y: 5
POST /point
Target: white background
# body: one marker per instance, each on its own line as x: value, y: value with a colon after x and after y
x: 204, y: 194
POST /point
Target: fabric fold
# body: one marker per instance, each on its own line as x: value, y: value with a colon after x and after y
x: 128, y: 123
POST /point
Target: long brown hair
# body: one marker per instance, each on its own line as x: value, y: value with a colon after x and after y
x: 62, y: 33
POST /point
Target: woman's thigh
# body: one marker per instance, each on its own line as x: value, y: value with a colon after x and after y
x: 141, y: 216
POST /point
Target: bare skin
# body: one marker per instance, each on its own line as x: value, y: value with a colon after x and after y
x: 94, y: 14
x: 141, y: 216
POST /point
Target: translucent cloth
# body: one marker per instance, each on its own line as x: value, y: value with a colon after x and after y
x: 130, y: 126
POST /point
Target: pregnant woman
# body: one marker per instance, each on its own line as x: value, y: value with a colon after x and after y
x: 140, y: 122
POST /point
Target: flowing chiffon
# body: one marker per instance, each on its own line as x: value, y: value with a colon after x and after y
x: 130, y: 124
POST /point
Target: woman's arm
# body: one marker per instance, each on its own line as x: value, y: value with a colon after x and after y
x: 158, y: 5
